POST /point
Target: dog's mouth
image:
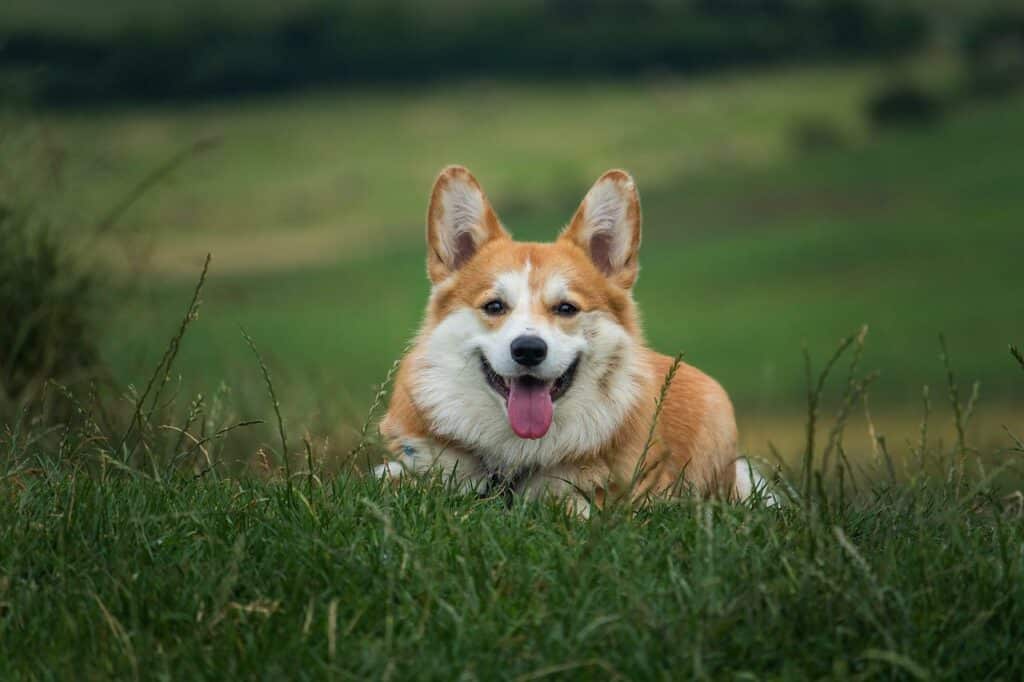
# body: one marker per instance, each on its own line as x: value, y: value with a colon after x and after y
x: 530, y: 400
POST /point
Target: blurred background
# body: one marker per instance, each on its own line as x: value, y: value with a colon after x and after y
x: 805, y: 167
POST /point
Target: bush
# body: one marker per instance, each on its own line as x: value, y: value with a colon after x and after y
x: 225, y: 51
x: 904, y: 104
x: 46, y: 301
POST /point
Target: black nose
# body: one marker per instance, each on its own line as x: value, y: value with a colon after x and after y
x: 529, y: 351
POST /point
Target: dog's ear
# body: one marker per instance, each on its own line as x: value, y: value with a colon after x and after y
x: 459, y: 221
x: 607, y: 226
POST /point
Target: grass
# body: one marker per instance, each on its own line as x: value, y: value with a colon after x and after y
x: 165, y: 533
x: 215, y: 579
x: 355, y: 163
x: 113, y: 572
x: 313, y: 207
x: 147, y: 556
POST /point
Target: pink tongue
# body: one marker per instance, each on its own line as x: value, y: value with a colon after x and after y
x: 529, y: 407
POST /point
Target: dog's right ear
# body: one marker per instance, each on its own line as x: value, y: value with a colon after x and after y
x: 460, y: 221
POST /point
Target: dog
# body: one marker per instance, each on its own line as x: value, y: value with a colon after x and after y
x: 530, y: 372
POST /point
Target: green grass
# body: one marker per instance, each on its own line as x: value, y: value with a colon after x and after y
x: 911, y: 234
x: 215, y: 579
x: 357, y: 162
x: 130, y: 549
x: 313, y: 206
x: 144, y: 553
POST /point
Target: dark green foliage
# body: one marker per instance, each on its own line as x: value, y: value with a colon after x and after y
x: 50, y: 296
x: 224, y: 52
x: 904, y: 104
x: 46, y: 307
x: 994, y: 48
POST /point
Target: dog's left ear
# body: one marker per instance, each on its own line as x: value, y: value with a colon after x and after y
x: 607, y: 226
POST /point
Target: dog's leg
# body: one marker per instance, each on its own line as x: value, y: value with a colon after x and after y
x: 749, y: 482
x: 559, y: 482
x: 423, y: 456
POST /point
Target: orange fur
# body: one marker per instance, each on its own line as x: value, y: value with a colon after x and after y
x: 695, y: 439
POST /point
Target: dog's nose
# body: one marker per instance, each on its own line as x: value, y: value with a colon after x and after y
x: 529, y: 351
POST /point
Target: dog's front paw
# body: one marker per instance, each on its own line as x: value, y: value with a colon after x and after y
x: 390, y: 471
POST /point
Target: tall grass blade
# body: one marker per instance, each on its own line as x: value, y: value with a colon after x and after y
x: 659, y: 404
x: 163, y: 369
x: 960, y: 452
x: 814, y: 392
x: 1017, y: 355
x: 378, y: 401
x: 277, y: 410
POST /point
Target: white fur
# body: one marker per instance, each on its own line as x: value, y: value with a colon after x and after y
x: 749, y: 481
x: 463, y: 208
x: 559, y: 482
x: 450, y: 388
x: 556, y: 289
x: 421, y: 456
x: 514, y: 289
x: 605, y: 210
x: 388, y: 470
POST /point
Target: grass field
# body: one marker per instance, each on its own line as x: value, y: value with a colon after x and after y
x: 129, y: 576
x: 128, y: 550
x: 312, y: 209
x: 124, y: 554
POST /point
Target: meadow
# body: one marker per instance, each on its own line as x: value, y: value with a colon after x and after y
x: 312, y: 209
x: 136, y: 579
x: 157, y: 534
x: 118, y: 562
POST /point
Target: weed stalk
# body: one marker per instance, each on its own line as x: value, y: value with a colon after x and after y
x: 277, y: 410
x: 163, y: 369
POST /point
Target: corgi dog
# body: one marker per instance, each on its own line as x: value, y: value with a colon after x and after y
x: 530, y: 371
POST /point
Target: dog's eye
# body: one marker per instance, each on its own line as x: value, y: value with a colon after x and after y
x: 494, y: 307
x: 566, y: 309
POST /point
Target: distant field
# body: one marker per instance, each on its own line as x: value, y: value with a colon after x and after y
x: 312, y: 208
x: 351, y: 170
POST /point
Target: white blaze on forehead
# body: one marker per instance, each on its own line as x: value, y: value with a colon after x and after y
x: 514, y: 287
x: 453, y: 393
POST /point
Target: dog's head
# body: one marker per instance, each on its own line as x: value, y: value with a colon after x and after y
x: 536, y: 339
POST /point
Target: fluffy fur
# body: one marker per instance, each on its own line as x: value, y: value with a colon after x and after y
x: 445, y: 415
